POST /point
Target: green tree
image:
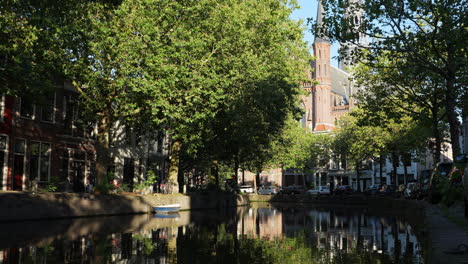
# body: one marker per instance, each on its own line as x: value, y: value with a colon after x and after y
x: 403, y: 91
x: 33, y: 35
x: 259, y: 59
x: 358, y: 143
x: 427, y: 35
x: 177, y: 65
x: 298, y: 148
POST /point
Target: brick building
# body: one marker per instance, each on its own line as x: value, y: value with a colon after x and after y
x: 46, y: 141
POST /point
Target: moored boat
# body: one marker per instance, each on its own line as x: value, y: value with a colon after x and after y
x: 170, y: 208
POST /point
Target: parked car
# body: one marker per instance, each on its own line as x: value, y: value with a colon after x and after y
x: 343, y: 189
x: 387, y: 189
x: 246, y: 189
x: 373, y: 189
x: 293, y: 189
x: 268, y: 190
x: 322, y: 190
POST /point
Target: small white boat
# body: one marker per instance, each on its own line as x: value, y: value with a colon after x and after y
x: 170, y: 208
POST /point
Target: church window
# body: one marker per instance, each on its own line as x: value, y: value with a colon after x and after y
x: 319, y: 71
x: 325, y: 70
x: 320, y: 54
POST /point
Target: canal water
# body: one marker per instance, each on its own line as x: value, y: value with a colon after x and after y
x: 258, y: 234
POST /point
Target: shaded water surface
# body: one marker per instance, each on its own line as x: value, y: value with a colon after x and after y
x: 240, y: 235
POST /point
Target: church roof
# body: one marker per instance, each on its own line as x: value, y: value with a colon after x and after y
x: 340, y: 82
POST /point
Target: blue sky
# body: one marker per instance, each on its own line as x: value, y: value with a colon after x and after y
x: 309, y: 9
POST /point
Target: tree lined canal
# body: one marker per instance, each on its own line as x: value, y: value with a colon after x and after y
x: 263, y: 234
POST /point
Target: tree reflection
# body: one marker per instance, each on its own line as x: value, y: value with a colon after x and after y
x: 254, y: 235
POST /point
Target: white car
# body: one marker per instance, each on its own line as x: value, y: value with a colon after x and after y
x: 322, y: 190
x: 246, y: 189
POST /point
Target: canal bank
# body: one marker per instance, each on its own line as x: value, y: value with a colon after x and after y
x: 435, y: 223
x: 17, y: 206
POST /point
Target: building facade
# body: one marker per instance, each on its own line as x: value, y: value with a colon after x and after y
x: 45, y: 141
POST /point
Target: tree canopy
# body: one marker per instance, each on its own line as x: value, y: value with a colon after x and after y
x: 427, y: 36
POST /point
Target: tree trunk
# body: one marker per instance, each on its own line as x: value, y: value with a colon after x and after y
x: 405, y: 169
x: 437, y: 137
x: 450, y: 100
x: 236, y: 170
x: 358, y: 177
x: 381, y: 169
x: 257, y: 174
x: 243, y: 176
x: 216, y: 172
x: 102, y: 148
x: 304, y: 180
x: 213, y: 177
x: 174, y: 166
x: 395, y: 166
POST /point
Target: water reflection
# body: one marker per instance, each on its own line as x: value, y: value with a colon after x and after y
x: 250, y: 235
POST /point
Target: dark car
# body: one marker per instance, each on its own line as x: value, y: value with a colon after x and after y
x: 373, y: 189
x: 387, y: 189
x: 343, y: 189
x: 292, y: 189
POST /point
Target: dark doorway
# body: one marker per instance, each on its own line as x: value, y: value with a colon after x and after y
x: 129, y: 171
x: 18, y: 172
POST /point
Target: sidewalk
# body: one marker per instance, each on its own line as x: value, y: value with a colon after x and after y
x: 447, y: 229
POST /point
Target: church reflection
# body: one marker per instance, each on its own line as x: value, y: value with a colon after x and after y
x: 329, y: 236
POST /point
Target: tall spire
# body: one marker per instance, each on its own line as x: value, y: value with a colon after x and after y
x: 320, y: 36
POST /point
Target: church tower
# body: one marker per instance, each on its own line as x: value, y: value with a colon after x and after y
x: 354, y: 15
x: 321, y: 93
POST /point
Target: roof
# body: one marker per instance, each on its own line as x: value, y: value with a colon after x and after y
x: 322, y: 127
x: 341, y: 83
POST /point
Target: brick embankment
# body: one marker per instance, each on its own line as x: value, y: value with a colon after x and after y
x: 27, y: 206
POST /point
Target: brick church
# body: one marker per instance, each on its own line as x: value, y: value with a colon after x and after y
x: 328, y: 100
x: 328, y: 97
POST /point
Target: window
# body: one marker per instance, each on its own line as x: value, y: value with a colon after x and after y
x: 48, y: 109
x: 39, y: 161
x: 72, y: 117
x: 318, y: 70
x: 26, y: 107
x: 20, y: 146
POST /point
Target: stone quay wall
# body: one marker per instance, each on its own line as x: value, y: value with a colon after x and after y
x: 28, y: 206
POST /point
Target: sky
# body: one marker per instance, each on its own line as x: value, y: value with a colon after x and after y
x: 308, y: 9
